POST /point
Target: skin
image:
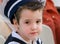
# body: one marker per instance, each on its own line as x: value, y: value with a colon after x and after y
x: 1, y: 1
x: 30, y: 24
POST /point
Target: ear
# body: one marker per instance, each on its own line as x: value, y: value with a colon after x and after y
x: 15, y: 23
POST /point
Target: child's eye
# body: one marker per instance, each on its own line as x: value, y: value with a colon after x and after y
x: 27, y: 22
x: 38, y: 21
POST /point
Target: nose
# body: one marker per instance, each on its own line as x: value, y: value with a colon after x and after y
x: 34, y: 26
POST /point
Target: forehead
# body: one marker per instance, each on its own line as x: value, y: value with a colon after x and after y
x: 29, y: 14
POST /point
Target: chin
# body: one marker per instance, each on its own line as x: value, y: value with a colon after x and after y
x: 33, y: 38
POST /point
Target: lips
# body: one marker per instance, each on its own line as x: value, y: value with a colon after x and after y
x: 33, y: 32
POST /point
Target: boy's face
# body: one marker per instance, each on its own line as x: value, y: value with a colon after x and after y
x: 30, y: 24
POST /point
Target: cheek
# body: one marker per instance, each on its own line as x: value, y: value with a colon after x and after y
x: 40, y: 28
x: 25, y: 29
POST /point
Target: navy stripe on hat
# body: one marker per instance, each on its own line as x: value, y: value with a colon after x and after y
x: 12, y: 6
x: 8, y: 6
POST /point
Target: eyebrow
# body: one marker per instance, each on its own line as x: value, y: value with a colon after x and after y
x: 31, y: 19
x: 39, y: 19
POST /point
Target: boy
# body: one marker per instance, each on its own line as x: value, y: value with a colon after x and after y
x: 26, y: 16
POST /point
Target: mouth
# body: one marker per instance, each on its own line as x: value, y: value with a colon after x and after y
x: 33, y: 33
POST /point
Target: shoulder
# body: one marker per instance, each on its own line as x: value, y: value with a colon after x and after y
x: 13, y: 42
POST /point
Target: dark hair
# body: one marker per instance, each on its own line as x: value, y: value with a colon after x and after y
x: 31, y: 6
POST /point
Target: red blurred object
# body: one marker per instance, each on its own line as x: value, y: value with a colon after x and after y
x: 51, y: 17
